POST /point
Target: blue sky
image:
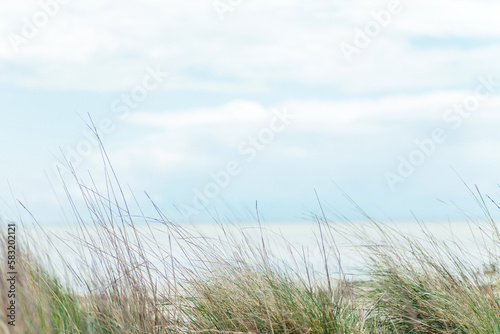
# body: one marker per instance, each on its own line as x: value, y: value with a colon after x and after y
x: 388, y: 123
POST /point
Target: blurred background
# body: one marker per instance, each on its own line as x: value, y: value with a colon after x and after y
x: 212, y: 106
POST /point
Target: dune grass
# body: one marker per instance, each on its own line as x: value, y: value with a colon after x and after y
x: 129, y: 282
x: 44, y: 305
x: 431, y: 288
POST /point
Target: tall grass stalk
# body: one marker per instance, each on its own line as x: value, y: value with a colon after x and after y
x: 128, y: 279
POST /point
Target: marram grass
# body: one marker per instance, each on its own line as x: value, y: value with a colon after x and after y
x: 126, y: 282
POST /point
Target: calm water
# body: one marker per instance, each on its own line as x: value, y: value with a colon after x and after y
x: 288, y: 242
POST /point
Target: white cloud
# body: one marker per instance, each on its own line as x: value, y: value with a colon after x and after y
x: 235, y: 112
x: 105, y: 45
x: 397, y: 120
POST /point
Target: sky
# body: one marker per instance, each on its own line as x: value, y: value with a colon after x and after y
x: 215, y: 108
